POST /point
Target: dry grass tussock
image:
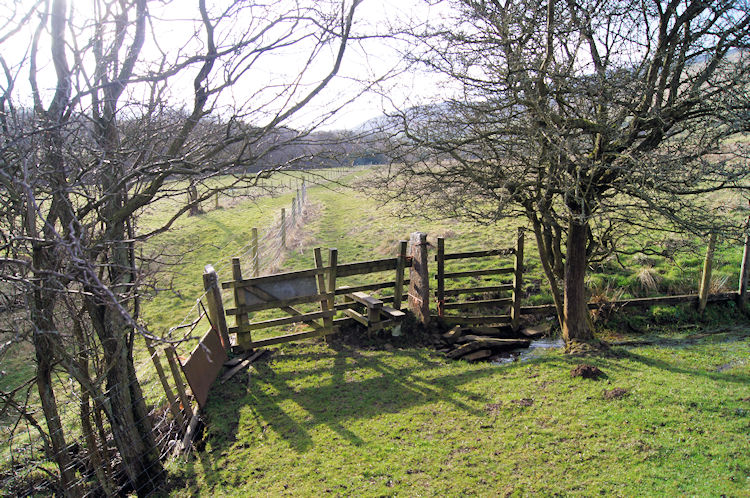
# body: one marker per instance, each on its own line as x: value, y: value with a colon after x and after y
x: 649, y: 279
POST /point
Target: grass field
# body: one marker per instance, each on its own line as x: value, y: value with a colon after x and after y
x: 317, y: 420
x: 378, y: 421
x: 391, y: 418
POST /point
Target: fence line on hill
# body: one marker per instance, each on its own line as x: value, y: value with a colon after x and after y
x: 90, y: 458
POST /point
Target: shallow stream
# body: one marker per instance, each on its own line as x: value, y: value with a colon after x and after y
x: 534, y: 350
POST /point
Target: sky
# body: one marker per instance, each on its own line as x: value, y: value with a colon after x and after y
x: 365, y: 60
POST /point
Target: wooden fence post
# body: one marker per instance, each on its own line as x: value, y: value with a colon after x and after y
x: 419, y: 280
x: 327, y: 321
x: 294, y: 211
x: 333, y: 261
x: 176, y: 413
x: 174, y: 367
x: 440, y: 277
x: 215, y: 304
x: 515, y: 311
x: 744, y: 271
x: 400, y: 266
x: 283, y: 228
x: 243, y: 337
x: 255, y: 254
x: 706, y: 278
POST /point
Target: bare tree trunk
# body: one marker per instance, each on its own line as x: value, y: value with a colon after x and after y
x: 44, y: 345
x: 547, y: 264
x: 576, y: 325
x: 100, y: 465
x: 128, y: 417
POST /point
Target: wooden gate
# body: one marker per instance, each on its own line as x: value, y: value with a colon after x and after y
x: 309, y: 296
x: 447, y: 298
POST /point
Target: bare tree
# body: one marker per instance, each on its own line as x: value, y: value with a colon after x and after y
x: 588, y: 118
x: 99, y: 140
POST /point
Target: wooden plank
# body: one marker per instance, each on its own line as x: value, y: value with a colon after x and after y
x: 366, y: 299
x: 288, y: 309
x: 496, y: 342
x: 469, y: 320
x: 364, y: 288
x: 276, y: 322
x: 174, y: 367
x: 249, y: 358
x: 479, y: 290
x: 478, y: 273
x: 356, y: 316
x: 281, y: 303
x: 652, y: 301
x: 440, y: 276
x: 479, y: 304
x: 393, y: 313
x: 312, y: 272
x: 400, y: 267
x: 641, y: 301
x: 187, y: 440
x: 176, y: 413
x: 293, y: 337
x: 478, y: 355
x: 367, y: 267
x: 479, y: 254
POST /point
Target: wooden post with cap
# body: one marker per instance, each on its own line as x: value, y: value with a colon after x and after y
x: 419, y: 280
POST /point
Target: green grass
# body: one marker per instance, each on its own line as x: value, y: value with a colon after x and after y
x: 316, y: 420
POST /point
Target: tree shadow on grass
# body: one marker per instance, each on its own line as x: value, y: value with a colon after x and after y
x: 356, y: 386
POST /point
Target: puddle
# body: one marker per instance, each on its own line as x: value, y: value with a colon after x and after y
x: 535, y: 349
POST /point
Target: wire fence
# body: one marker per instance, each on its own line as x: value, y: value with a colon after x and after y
x: 91, y: 426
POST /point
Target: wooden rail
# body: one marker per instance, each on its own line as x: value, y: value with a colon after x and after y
x: 514, y: 302
x: 638, y: 302
x: 285, y: 290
